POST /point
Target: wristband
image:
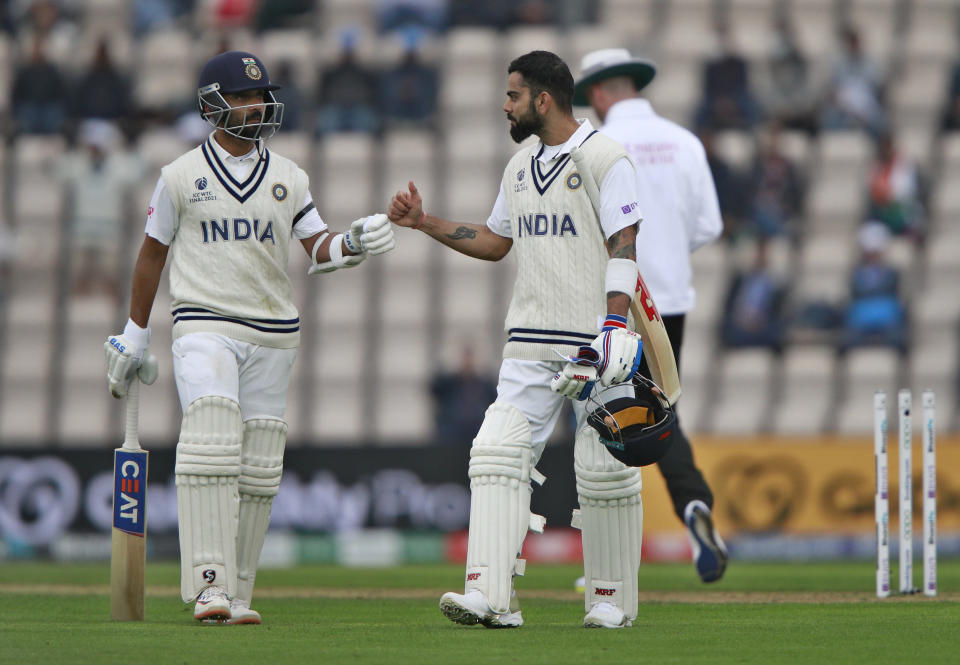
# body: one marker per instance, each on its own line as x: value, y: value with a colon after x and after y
x: 423, y: 218
x: 614, y: 321
x: 139, y: 337
x: 622, y: 276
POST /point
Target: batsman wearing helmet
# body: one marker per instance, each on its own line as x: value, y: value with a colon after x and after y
x: 566, y: 330
x: 225, y: 213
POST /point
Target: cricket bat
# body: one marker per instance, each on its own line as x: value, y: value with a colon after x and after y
x: 128, y: 547
x: 646, y: 319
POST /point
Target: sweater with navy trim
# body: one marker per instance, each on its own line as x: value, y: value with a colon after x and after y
x: 559, y: 296
x: 229, y: 253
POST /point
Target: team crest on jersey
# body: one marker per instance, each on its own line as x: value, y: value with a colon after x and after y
x: 201, y: 183
x: 279, y: 191
x: 574, y: 181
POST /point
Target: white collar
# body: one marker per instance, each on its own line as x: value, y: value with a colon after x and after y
x: 227, y: 157
x: 629, y: 108
x: 583, y: 131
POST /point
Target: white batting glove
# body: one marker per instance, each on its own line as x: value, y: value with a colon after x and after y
x: 578, y: 376
x: 370, y: 235
x: 377, y: 235
x: 124, y: 356
x: 620, y: 351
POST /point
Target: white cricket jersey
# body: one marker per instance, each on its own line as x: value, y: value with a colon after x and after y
x: 559, y: 294
x: 679, y: 199
x: 228, y: 222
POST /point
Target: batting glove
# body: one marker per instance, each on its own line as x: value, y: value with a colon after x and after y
x: 373, y: 235
x: 577, y: 377
x: 124, y: 356
x: 620, y: 351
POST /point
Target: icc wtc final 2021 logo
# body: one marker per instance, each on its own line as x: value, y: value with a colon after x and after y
x: 201, y: 183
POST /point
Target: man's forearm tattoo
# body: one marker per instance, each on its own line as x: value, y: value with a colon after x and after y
x: 463, y: 232
x: 621, y: 244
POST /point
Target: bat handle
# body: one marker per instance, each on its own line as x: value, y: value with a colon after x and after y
x: 130, y: 438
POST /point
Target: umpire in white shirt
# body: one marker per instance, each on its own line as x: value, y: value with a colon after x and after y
x: 680, y: 214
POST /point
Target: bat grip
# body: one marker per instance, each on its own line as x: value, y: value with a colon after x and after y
x: 130, y: 438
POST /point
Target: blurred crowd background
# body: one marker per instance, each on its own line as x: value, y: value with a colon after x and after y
x: 832, y: 129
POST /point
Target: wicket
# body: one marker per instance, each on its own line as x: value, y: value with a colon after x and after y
x: 929, y: 488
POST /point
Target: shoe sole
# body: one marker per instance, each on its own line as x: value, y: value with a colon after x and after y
x: 214, y: 616
x: 712, y: 562
x: 461, y: 615
x: 458, y: 614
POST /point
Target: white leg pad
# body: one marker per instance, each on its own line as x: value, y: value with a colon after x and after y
x: 207, y: 468
x: 501, y: 467
x: 261, y: 466
x: 611, y: 524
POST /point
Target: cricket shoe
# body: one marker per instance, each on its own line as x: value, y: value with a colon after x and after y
x: 709, y: 553
x: 240, y: 614
x: 605, y: 615
x: 212, y: 603
x: 472, y: 608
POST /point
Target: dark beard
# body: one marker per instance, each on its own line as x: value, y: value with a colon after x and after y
x: 526, y: 125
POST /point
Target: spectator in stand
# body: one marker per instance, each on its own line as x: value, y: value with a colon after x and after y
x: 728, y: 102
x: 289, y: 95
x: 776, y: 199
x: 785, y: 90
x: 45, y: 20
x: 534, y: 12
x: 491, y: 13
x: 423, y: 14
x: 348, y: 93
x: 281, y: 14
x: 150, y: 15
x: 854, y: 96
x: 98, y: 178
x: 875, y: 314
x: 731, y: 188
x: 460, y: 400
x: 950, y: 121
x: 229, y: 14
x: 410, y: 88
x: 896, y: 191
x: 753, y: 313
x: 103, y: 91
x: 38, y: 98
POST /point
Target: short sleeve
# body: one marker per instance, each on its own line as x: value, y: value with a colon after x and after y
x: 619, y: 198
x: 162, y: 216
x: 499, y: 219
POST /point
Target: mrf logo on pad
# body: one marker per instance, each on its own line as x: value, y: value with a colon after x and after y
x: 130, y: 488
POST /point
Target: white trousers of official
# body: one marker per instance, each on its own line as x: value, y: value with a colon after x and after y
x: 255, y: 377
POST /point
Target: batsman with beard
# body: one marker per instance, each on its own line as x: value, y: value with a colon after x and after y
x: 566, y: 329
x: 226, y: 212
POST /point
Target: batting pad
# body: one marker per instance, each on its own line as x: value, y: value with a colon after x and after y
x: 207, y: 469
x: 611, y: 524
x: 501, y: 466
x: 261, y: 465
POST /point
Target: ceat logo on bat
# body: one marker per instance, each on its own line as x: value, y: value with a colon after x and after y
x: 130, y: 491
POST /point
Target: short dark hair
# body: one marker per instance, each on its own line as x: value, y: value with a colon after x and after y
x: 545, y: 71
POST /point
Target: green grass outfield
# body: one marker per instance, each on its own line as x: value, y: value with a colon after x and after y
x: 759, y: 613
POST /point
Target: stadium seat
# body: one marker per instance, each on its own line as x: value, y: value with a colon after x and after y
x: 741, y: 401
x: 865, y: 371
x: 806, y: 391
